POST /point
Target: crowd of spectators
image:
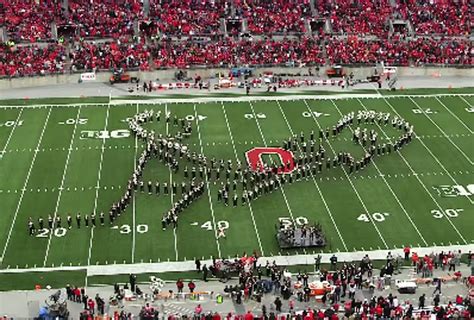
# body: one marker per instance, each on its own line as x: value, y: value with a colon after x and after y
x: 418, y: 51
x: 19, y: 61
x: 357, y: 17
x: 137, y: 55
x: 448, y: 17
x: 109, y: 55
x: 231, y: 52
x: 32, y: 20
x: 188, y: 17
x: 28, y: 21
x: 104, y: 18
x: 277, y: 292
x: 278, y: 16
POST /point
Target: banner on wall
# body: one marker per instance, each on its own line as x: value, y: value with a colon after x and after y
x: 88, y: 76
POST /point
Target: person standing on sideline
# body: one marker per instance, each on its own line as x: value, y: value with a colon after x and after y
x: 406, y: 251
x: 278, y: 304
x: 180, y: 285
x: 438, y: 287
x: 191, y: 286
x: 421, y: 301
x: 197, y: 262
x: 205, y: 272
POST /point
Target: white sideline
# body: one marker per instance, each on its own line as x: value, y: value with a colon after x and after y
x: 290, y: 260
x: 200, y: 99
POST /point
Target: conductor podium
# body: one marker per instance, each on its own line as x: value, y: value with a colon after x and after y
x: 305, y: 236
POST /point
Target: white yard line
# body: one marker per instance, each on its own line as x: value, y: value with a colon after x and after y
x: 369, y: 215
x: 196, y: 119
x: 99, y: 173
x: 455, y: 116
x: 61, y: 187
x: 2, y: 153
x: 423, y: 185
x: 134, y: 199
x: 23, y: 190
x: 171, y: 193
x: 316, y: 184
x: 386, y: 183
x: 432, y: 155
x: 237, y: 159
x: 465, y: 101
x: 289, y: 97
x: 266, y: 145
x: 441, y: 130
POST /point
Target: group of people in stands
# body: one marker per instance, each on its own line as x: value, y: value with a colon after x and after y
x: 85, y: 56
x: 32, y: 21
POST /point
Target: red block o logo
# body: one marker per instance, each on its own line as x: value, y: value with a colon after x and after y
x: 254, y: 158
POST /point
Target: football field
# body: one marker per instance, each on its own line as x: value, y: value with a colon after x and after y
x: 63, y: 159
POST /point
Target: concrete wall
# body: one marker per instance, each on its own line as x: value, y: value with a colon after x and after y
x: 168, y: 75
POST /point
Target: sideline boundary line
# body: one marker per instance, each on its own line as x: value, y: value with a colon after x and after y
x: 300, y: 259
x: 200, y: 99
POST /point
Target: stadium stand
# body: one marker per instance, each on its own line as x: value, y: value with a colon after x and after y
x: 280, y: 16
x: 103, y: 18
x: 189, y: 17
x: 449, y: 17
x: 28, y: 21
x: 32, y: 60
x: 358, y: 17
x: 104, y: 34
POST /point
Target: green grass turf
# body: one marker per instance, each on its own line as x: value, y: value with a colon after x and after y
x: 97, y: 171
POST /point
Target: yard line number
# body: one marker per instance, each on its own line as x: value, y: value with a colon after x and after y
x: 376, y: 216
x: 11, y: 123
x: 58, y: 232
x: 287, y: 221
x: 127, y: 229
x: 426, y: 110
x: 72, y: 121
x: 223, y: 224
x: 451, y: 213
x: 251, y: 116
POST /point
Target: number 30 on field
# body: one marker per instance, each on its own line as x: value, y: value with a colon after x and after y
x: 449, y: 213
x: 126, y: 228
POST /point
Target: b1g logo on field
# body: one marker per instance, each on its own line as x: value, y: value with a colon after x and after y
x: 448, y: 190
x: 104, y: 134
x: 256, y: 163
